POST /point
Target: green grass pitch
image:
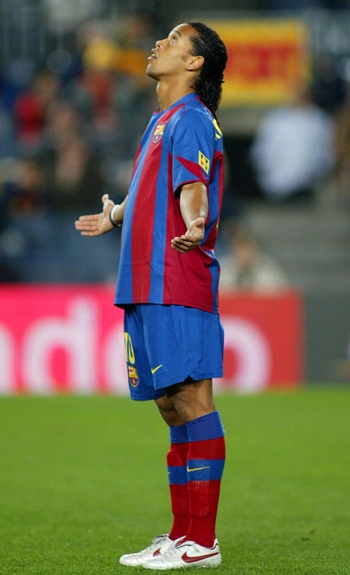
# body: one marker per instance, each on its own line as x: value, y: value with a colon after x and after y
x: 84, y: 480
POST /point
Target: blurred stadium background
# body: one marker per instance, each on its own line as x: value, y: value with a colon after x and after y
x: 74, y: 101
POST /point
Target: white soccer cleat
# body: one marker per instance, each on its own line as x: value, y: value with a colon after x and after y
x: 187, y: 554
x: 159, y: 545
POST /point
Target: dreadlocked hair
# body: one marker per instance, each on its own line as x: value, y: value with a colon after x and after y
x: 208, y: 83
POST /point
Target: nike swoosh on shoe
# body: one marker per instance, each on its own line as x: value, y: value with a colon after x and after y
x: 188, y: 559
x: 156, y: 553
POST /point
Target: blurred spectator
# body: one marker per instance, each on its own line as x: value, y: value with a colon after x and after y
x: 27, y: 194
x: 30, y: 118
x: 24, y: 221
x: 343, y: 152
x: 232, y: 210
x: 293, y: 149
x: 104, y: 130
x: 90, y: 92
x: 246, y: 267
x: 8, y: 144
x: 18, y: 74
x: 30, y: 109
x: 72, y: 169
x: 329, y: 86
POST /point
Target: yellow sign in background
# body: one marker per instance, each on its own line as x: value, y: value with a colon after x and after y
x: 267, y: 59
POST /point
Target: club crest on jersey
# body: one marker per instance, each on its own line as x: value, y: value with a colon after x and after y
x: 133, y: 377
x: 203, y: 162
x: 158, y: 133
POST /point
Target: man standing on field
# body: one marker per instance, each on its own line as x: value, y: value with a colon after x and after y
x: 168, y: 281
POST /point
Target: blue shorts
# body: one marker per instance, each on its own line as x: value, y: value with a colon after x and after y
x: 166, y: 344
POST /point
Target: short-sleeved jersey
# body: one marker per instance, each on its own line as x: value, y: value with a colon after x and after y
x: 182, y: 144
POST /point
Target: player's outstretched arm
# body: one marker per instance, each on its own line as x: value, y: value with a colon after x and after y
x: 194, y: 210
x: 98, y: 224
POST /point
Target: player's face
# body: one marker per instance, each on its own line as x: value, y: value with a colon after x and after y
x: 171, y: 56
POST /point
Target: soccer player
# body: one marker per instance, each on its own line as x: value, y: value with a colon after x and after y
x: 167, y: 284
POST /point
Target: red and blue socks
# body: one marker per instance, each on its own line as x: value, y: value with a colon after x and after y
x: 205, y: 465
x: 177, y: 471
x: 195, y: 465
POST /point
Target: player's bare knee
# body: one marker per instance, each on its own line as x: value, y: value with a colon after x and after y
x: 192, y: 399
x: 172, y: 418
x: 164, y: 404
x: 188, y: 409
x: 168, y: 411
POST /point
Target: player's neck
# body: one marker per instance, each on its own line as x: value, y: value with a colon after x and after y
x: 169, y: 92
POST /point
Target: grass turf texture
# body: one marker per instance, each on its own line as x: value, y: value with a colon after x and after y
x: 83, y: 480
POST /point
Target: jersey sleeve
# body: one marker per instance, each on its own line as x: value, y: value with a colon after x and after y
x: 193, y: 149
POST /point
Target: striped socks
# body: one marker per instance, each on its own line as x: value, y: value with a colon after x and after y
x: 205, y: 465
x: 177, y: 472
x: 195, y: 465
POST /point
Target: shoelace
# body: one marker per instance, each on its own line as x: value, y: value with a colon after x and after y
x: 158, y: 540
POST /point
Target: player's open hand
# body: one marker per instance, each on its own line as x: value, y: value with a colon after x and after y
x: 96, y: 224
x: 191, y: 239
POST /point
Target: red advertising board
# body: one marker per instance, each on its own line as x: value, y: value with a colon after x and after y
x: 263, y: 340
x: 71, y: 339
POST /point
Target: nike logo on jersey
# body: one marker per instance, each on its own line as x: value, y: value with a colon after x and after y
x: 155, y: 369
x: 188, y: 559
x: 198, y: 468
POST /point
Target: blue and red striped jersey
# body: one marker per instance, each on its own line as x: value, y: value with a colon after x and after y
x: 182, y: 144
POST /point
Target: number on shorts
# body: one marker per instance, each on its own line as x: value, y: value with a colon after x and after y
x: 129, y: 349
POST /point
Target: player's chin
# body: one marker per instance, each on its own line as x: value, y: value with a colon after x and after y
x: 151, y: 72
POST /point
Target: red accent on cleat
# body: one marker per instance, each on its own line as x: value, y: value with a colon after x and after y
x: 187, y: 559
